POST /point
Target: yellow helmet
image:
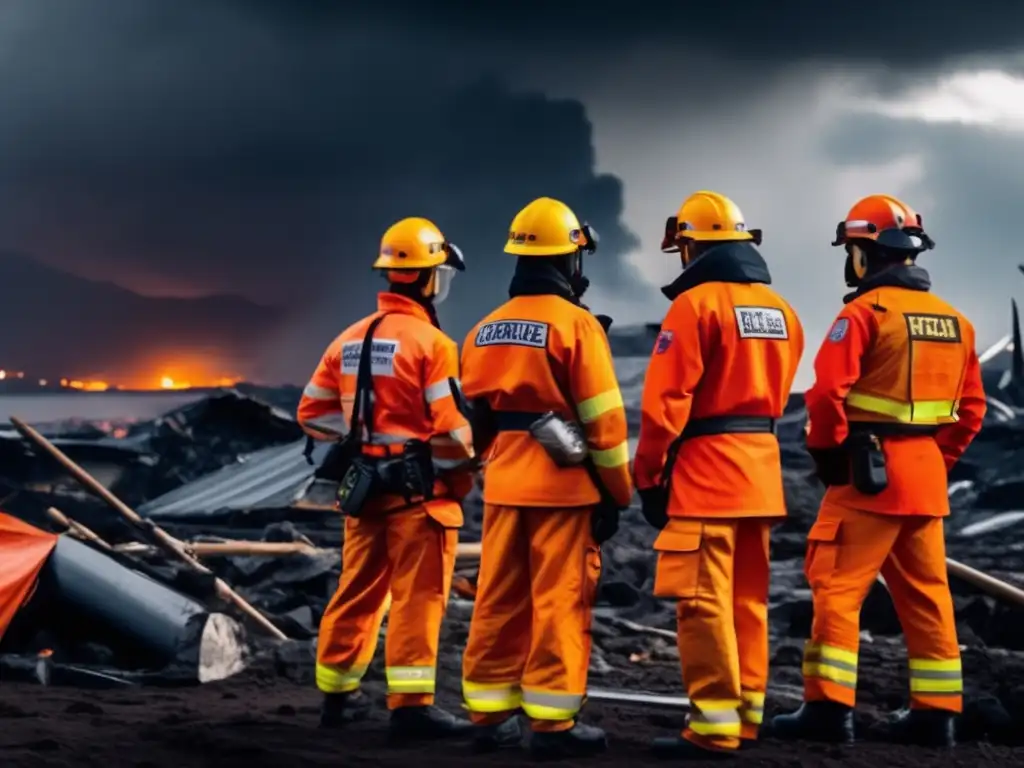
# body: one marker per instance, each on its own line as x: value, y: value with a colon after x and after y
x: 707, y: 216
x: 548, y: 227
x: 417, y: 243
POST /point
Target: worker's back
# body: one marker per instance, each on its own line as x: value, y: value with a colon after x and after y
x: 733, y: 350
x: 916, y: 360
x: 511, y: 359
x: 401, y: 345
x: 411, y: 363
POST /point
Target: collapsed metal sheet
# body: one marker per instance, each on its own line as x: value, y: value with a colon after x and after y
x: 266, y: 479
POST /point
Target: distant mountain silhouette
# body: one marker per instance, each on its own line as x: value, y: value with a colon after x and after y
x: 53, y: 324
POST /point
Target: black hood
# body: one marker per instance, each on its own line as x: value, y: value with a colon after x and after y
x: 540, y: 277
x: 908, y: 276
x: 726, y: 263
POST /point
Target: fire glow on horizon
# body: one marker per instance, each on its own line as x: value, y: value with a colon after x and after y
x: 176, y: 377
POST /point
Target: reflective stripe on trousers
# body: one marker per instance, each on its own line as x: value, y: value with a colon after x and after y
x: 551, y: 705
x: 336, y: 680
x: 752, y: 708
x: 934, y: 677
x: 828, y: 662
x: 411, y: 679
x: 917, y: 412
x: 487, y: 698
x: 715, y: 718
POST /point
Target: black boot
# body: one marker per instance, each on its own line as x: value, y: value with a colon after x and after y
x: 579, y: 741
x: 826, y: 721
x: 503, y: 735
x: 923, y: 727
x: 678, y: 748
x: 426, y: 723
x: 340, y: 709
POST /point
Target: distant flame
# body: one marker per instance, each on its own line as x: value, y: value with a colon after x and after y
x: 88, y: 386
x: 167, y: 382
x: 171, y: 371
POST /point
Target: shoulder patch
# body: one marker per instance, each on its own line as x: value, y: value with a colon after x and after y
x: 663, y: 342
x: 515, y: 333
x: 929, y: 327
x: 761, y: 323
x: 382, y: 357
x: 839, y: 329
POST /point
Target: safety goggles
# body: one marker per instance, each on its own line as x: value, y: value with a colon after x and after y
x: 894, y: 239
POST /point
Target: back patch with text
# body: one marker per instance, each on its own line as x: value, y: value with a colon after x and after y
x: 516, y: 333
x: 382, y: 357
x: 761, y: 323
x: 927, y: 327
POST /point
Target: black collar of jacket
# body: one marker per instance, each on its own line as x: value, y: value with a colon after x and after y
x: 539, y: 277
x: 725, y: 263
x: 908, y: 276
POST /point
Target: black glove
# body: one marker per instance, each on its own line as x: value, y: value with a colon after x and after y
x: 604, y: 522
x: 831, y: 465
x: 654, y: 503
x: 605, y: 321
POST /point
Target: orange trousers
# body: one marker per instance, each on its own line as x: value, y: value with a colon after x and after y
x: 529, y: 640
x: 718, y: 570
x: 846, y: 551
x: 405, y: 561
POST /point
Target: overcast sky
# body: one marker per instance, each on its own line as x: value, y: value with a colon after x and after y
x: 260, y: 147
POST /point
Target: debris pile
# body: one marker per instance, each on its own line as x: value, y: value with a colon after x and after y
x: 227, y: 483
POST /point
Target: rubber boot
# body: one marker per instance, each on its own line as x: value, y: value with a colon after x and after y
x: 426, y: 724
x: 826, y: 721
x: 923, y: 727
x: 579, y: 741
x: 504, y: 735
x: 678, y: 748
x: 341, y: 709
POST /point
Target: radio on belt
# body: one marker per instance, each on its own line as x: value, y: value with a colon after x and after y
x: 563, y: 441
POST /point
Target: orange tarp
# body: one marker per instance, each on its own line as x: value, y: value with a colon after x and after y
x: 23, y: 552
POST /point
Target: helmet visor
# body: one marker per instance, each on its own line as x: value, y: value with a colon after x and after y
x: 443, y: 277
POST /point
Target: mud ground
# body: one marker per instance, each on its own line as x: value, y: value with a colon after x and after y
x: 268, y: 717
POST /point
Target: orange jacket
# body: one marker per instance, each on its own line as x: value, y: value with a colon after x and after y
x: 729, y: 346
x: 899, y: 354
x: 415, y: 367
x: 508, y: 359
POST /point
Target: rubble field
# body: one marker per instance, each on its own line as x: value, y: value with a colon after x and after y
x: 231, y: 468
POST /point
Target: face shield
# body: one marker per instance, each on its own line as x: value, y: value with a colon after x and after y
x: 445, y: 273
x: 443, y: 277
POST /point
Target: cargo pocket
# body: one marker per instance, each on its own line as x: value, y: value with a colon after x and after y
x: 679, y: 560
x: 822, y: 553
x: 445, y: 512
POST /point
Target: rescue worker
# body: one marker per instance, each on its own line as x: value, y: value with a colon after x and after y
x: 545, y: 514
x: 708, y: 465
x: 897, y: 399
x: 399, y: 548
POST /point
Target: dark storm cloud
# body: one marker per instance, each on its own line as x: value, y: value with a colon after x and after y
x: 262, y: 146
x: 912, y: 33
x: 214, y: 145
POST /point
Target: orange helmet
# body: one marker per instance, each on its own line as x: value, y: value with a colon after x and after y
x: 884, y: 220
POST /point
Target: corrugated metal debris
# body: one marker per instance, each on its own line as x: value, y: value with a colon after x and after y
x: 271, y: 478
